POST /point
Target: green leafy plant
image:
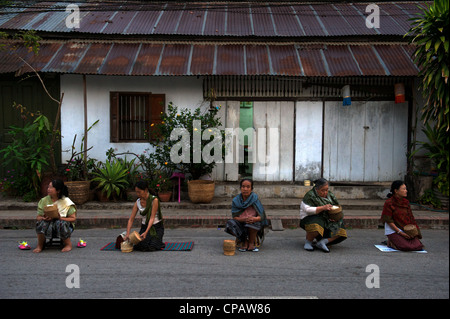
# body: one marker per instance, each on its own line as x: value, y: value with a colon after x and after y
x: 14, y: 184
x: 79, y: 166
x: 111, y: 177
x: 429, y: 33
x: 29, y: 152
x: 149, y: 165
x: 163, y: 183
x: 185, y: 119
x: 437, y: 150
x: 429, y: 198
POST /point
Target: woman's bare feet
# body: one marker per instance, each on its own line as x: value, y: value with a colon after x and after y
x: 37, y: 250
x: 67, y: 245
x: 40, y: 244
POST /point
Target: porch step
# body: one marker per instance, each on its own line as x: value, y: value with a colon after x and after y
x: 217, y: 204
x: 358, y: 213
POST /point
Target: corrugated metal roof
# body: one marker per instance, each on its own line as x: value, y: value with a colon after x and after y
x: 277, y: 19
x: 134, y: 58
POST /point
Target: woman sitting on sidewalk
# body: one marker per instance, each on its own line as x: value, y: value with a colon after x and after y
x: 61, y: 226
x: 249, y: 218
x: 315, y: 220
x: 396, y: 215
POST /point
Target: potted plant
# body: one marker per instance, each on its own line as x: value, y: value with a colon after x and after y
x: 164, y: 186
x: 77, y: 170
x: 112, y: 179
x: 77, y: 185
x: 199, y: 137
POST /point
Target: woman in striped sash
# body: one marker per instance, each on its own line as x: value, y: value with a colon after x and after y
x: 152, y: 227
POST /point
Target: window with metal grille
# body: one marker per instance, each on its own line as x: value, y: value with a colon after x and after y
x: 132, y: 114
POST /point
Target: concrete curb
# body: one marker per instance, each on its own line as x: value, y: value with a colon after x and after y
x: 359, y: 222
x: 358, y: 213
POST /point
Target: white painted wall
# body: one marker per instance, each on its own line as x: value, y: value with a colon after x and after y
x: 187, y: 92
x: 184, y: 92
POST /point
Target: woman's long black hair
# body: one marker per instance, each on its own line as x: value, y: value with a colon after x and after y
x: 394, y: 186
x: 62, y: 189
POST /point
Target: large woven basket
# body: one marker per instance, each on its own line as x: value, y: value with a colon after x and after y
x: 201, y: 191
x: 78, y: 191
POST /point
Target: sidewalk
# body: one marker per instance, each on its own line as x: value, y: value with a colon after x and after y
x: 357, y: 214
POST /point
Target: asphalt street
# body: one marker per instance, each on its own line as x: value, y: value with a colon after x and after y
x: 282, y: 269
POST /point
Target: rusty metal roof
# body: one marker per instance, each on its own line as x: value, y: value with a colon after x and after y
x: 235, y: 19
x: 198, y: 58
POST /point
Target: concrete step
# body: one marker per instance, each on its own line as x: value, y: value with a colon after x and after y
x: 218, y: 203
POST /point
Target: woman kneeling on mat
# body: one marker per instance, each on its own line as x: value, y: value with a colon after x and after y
x: 249, y: 218
x: 152, y: 228
x: 315, y: 220
x: 396, y: 215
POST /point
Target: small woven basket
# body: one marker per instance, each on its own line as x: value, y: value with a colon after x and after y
x: 336, y: 213
x: 126, y: 247
x: 201, y: 191
x: 78, y: 191
x: 229, y: 247
x: 51, y: 211
x: 411, y: 230
x: 135, y: 238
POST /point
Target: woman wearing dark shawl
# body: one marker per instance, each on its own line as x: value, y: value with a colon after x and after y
x: 152, y: 228
x: 314, y: 217
x: 249, y: 218
x: 396, y: 215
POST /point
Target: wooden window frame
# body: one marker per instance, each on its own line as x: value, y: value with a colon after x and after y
x: 154, y: 106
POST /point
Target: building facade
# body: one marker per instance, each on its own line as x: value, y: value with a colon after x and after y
x: 278, y: 69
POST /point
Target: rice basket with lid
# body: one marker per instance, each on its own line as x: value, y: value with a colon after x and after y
x: 336, y: 213
x: 229, y: 247
x: 51, y: 211
x: 411, y: 230
x: 135, y: 238
x: 126, y: 247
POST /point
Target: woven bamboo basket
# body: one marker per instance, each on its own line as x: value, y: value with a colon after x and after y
x: 126, y: 247
x: 201, y: 191
x: 411, y: 230
x: 135, y: 238
x: 51, y: 211
x: 336, y: 213
x: 229, y: 247
x: 78, y: 191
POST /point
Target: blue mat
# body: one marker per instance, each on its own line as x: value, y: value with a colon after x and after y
x: 170, y: 246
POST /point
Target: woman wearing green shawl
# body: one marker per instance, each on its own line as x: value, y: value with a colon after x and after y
x: 152, y: 228
x: 314, y: 217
